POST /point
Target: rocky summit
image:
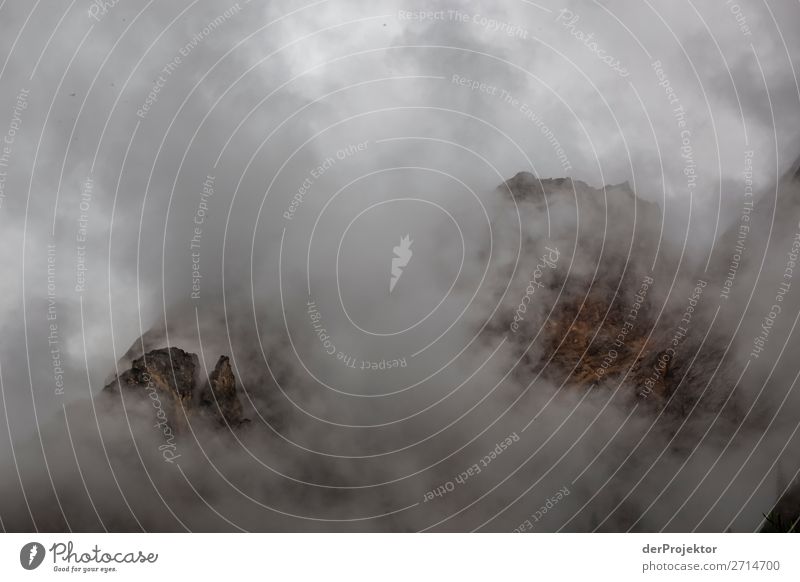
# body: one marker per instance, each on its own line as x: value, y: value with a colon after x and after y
x: 172, y: 377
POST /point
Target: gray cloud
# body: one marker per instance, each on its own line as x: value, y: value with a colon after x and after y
x: 266, y: 104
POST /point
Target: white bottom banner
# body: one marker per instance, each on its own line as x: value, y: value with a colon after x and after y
x: 356, y: 557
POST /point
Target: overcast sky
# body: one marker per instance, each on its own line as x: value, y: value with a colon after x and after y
x: 116, y: 117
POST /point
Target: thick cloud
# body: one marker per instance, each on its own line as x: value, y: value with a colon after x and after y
x: 273, y: 154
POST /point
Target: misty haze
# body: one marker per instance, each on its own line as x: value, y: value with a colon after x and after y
x: 397, y: 266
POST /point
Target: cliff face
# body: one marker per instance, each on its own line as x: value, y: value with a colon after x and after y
x: 678, y: 352
x: 603, y: 327
x: 219, y: 394
x: 171, y: 377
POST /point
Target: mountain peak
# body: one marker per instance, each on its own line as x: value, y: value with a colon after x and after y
x: 172, y: 374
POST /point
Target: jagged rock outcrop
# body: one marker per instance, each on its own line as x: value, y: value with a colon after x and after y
x: 172, y: 377
x: 618, y: 319
x: 608, y: 238
x: 219, y: 394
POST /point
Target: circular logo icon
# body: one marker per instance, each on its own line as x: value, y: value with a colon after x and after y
x: 31, y: 555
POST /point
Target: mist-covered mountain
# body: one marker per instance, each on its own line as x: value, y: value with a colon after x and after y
x: 599, y: 380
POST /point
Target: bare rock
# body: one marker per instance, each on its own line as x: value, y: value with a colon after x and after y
x: 170, y: 377
x: 219, y: 394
